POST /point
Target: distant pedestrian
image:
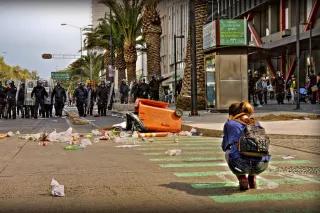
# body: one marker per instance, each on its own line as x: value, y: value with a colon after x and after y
x: 102, y: 98
x: 292, y: 84
x: 134, y: 90
x: 312, y: 88
x: 81, y: 94
x: 124, y: 92
x: 154, y: 89
x: 143, y: 89
x: 280, y: 88
x: 259, y: 90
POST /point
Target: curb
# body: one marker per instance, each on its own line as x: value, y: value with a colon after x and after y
x: 219, y: 133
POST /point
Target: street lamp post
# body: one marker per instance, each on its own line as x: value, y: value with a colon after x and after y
x: 175, y: 63
x: 298, y: 53
x: 81, y: 29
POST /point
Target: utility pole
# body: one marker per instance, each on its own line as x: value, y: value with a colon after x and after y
x: 298, y: 51
x: 192, y: 28
x: 111, y: 48
x: 175, y: 63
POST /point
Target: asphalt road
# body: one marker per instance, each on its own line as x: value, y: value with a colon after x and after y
x: 105, y: 178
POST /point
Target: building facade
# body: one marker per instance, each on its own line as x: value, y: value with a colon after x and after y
x: 272, y: 27
x: 174, y: 15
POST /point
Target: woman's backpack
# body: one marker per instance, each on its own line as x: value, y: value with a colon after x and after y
x: 254, y: 142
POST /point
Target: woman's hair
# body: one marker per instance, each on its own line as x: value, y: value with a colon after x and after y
x: 246, y: 107
x: 234, y: 109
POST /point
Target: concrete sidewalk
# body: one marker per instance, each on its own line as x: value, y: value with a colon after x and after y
x: 207, y: 121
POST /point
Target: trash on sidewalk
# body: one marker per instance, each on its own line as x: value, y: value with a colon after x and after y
x: 31, y: 137
x: 173, y: 152
x: 185, y: 133
x: 85, y: 142
x: 72, y: 147
x: 96, y: 132
x: 10, y: 134
x: 3, y: 135
x: 122, y: 125
x: 287, y: 157
x: 17, y: 132
x: 128, y: 146
x: 153, y: 134
x: 75, y: 119
x: 57, y: 190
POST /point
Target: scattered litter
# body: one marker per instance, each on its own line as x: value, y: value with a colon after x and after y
x: 175, y: 140
x: 151, y: 140
x: 135, y: 134
x: 96, y: 132
x: 57, y: 190
x: 123, y: 134
x: 85, y: 142
x: 31, y: 137
x: 127, y: 146
x: 173, y: 152
x: 185, y: 133
x: 194, y: 132
x: 17, y: 132
x: 10, y: 134
x: 287, y: 157
x: 122, y: 125
x: 3, y: 135
x: 153, y: 134
x: 96, y: 140
x: 72, y: 147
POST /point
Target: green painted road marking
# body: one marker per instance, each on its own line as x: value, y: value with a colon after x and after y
x: 177, y: 147
x: 201, y: 174
x: 187, y: 165
x: 183, y: 158
x: 209, y: 164
x: 201, y: 153
x: 260, y: 182
x: 290, y: 161
x: 238, y: 198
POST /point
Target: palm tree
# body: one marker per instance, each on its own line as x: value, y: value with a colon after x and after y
x: 152, y: 32
x: 127, y: 16
x: 184, y: 100
x: 83, y: 66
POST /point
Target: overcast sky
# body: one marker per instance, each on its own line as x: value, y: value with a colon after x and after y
x: 32, y: 27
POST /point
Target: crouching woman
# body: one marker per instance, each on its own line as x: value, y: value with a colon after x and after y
x: 244, y: 167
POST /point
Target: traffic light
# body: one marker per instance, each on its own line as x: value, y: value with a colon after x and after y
x: 46, y: 56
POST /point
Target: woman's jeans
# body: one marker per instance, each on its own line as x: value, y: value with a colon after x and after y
x: 243, y: 166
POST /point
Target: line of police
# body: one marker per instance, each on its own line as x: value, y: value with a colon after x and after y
x: 13, y: 101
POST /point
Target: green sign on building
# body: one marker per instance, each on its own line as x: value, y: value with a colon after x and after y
x: 233, y: 32
x: 60, y: 76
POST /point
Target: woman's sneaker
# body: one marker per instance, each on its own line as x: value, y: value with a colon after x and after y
x: 252, y: 181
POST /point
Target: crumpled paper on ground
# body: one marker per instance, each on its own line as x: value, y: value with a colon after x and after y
x: 84, y: 142
x: 31, y: 137
x: 57, y: 190
x: 173, y: 152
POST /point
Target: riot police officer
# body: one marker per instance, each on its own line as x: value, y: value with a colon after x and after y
x: 20, y: 100
x: 81, y: 95
x: 39, y: 92
x: 11, y: 100
x: 102, y: 98
x: 91, y: 99
x: 3, y: 100
x: 59, y: 93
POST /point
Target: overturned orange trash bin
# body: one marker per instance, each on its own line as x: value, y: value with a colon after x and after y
x: 155, y: 116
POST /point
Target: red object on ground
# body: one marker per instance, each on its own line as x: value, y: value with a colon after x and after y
x: 156, y: 116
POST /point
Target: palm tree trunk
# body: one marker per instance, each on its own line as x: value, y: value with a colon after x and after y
x: 106, y: 62
x: 184, y: 100
x: 130, y: 57
x: 152, y: 32
x: 120, y: 64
